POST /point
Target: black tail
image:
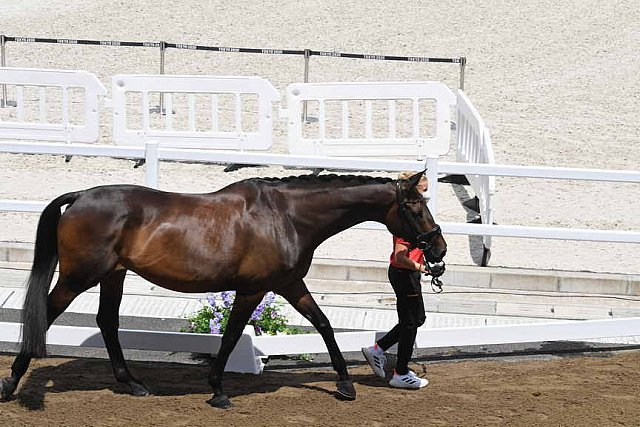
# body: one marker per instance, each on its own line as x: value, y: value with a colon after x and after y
x: 34, y: 312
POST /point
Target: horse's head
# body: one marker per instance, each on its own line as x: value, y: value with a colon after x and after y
x: 413, y: 221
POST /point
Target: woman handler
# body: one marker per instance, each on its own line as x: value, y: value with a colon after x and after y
x: 405, y: 269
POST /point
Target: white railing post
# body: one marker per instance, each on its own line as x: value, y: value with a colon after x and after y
x: 432, y: 176
x: 152, y: 164
x: 3, y: 63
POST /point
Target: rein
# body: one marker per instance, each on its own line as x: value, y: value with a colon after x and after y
x: 436, y: 285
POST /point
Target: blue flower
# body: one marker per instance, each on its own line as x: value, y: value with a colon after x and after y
x: 227, y: 298
x: 211, y: 298
x: 270, y: 298
x: 214, y: 326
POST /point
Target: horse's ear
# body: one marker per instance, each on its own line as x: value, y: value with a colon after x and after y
x: 415, y: 178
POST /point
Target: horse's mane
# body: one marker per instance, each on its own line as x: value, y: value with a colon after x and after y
x: 324, y: 179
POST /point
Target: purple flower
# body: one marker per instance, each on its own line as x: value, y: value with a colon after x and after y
x: 211, y: 298
x: 214, y: 326
x: 227, y: 298
x: 257, y: 313
x: 270, y: 298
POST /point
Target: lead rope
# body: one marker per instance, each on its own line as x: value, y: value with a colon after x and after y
x: 436, y: 283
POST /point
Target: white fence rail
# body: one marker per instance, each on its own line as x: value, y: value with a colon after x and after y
x: 247, y: 355
x: 353, y: 164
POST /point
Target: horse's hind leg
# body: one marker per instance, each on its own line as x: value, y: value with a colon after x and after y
x: 58, y: 300
x: 299, y: 297
x: 243, y: 306
x: 108, y: 321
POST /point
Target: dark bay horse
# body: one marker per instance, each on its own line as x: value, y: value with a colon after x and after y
x: 253, y: 236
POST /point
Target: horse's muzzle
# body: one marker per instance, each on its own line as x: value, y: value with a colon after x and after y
x: 437, y: 269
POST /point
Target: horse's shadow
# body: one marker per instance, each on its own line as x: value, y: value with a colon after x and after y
x: 165, y: 379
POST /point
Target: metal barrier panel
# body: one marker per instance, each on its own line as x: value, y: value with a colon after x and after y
x: 63, y: 106
x: 374, y: 119
x: 474, y: 146
x: 206, y: 112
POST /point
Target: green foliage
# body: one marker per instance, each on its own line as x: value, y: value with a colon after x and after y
x: 213, y: 317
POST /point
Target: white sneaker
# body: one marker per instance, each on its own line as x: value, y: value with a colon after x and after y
x: 408, y: 380
x: 376, y: 358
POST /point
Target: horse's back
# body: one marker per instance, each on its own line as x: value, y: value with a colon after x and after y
x: 181, y: 241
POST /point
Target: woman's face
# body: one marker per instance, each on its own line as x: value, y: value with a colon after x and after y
x: 422, y: 186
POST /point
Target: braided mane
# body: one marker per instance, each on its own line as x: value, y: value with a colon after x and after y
x: 311, y: 179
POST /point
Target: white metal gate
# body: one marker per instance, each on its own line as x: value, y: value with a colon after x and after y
x: 48, y: 117
x: 239, y: 111
x: 378, y: 119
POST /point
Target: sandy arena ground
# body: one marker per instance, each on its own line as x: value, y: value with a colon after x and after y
x: 583, y: 391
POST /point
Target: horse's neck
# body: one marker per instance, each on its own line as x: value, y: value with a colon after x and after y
x: 331, y: 212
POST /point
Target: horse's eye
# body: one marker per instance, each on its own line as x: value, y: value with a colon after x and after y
x: 414, y: 209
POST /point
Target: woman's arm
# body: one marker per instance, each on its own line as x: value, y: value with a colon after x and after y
x: 401, y: 253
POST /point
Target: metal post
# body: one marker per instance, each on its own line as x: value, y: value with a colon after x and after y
x: 3, y: 63
x: 463, y: 63
x: 163, y: 48
x: 307, y: 55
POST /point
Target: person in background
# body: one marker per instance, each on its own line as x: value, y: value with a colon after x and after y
x: 405, y: 269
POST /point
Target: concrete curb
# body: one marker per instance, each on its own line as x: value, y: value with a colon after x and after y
x: 458, y: 275
x: 489, y: 277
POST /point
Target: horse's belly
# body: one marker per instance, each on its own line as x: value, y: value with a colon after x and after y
x: 182, y: 260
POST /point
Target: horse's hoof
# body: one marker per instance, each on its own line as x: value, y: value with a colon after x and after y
x: 346, y: 391
x: 220, y: 402
x: 6, y: 389
x: 139, y: 390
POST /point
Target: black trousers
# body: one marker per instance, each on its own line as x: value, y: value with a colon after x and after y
x: 410, y: 306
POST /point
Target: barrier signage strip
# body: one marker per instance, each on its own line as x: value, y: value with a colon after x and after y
x: 385, y: 57
x: 307, y: 53
x: 81, y: 42
x: 235, y: 49
x: 187, y: 46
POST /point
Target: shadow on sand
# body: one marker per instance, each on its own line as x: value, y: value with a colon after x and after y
x: 167, y: 379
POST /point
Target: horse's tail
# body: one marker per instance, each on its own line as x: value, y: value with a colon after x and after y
x: 45, y: 259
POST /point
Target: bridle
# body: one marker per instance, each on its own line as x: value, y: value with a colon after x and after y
x: 422, y: 240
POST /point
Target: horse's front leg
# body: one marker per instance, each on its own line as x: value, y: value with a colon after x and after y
x: 243, y: 307
x: 299, y: 297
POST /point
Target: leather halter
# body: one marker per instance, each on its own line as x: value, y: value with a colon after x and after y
x: 422, y: 240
